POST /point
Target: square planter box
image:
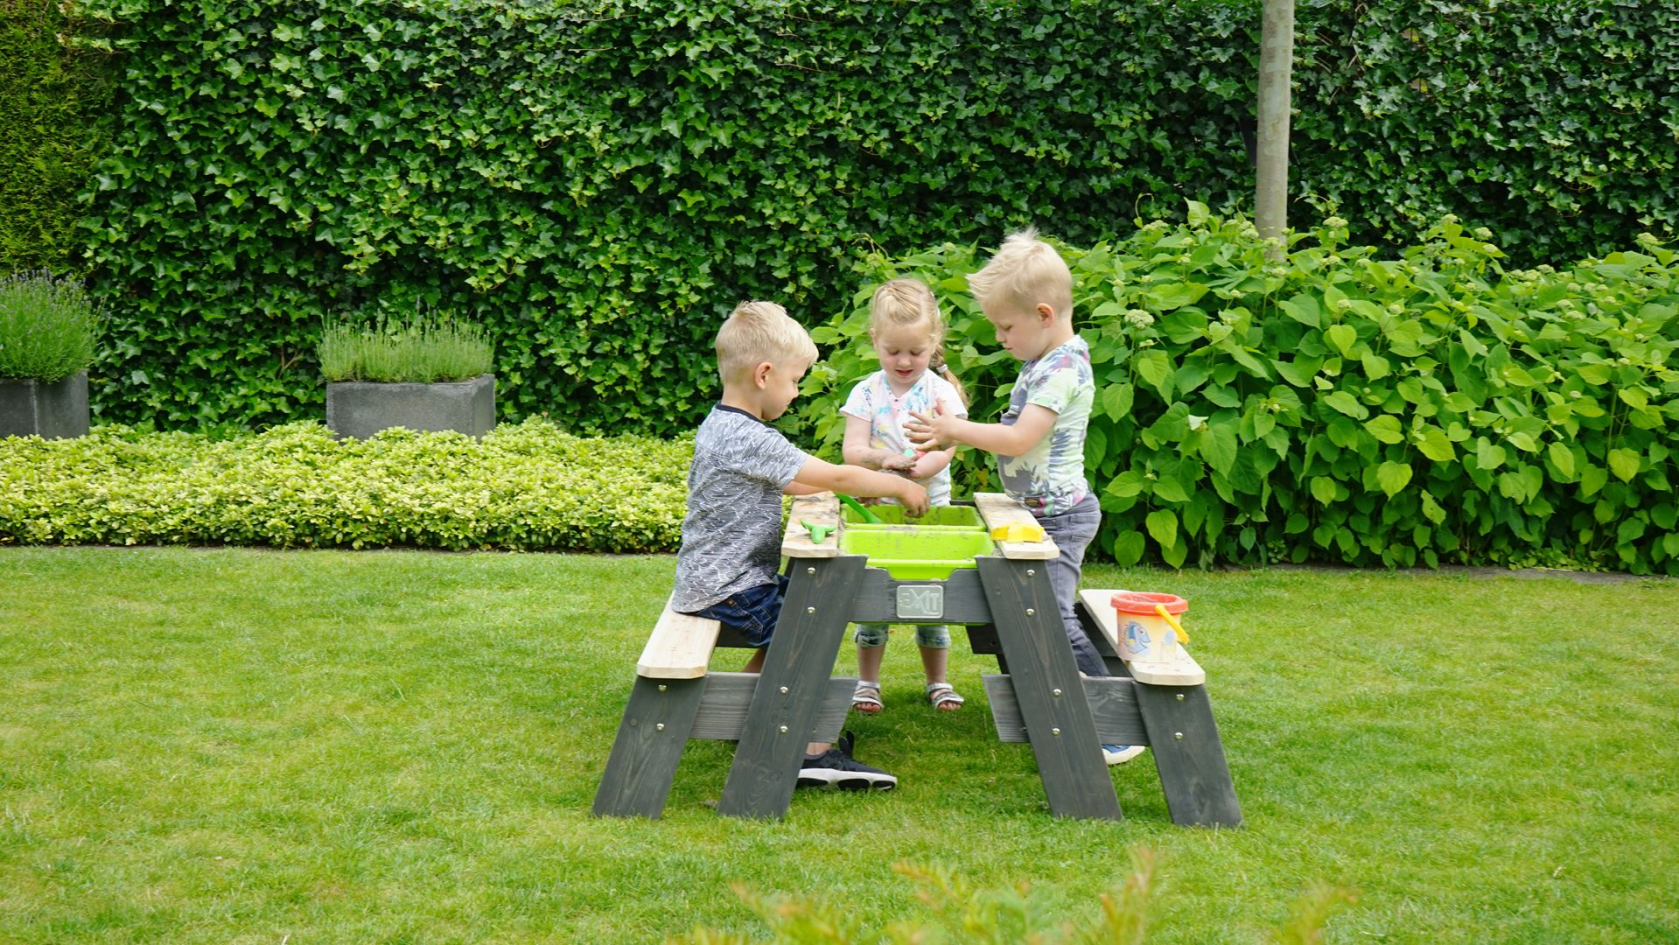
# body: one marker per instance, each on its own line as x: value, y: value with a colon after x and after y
x: 55, y: 411
x: 363, y: 408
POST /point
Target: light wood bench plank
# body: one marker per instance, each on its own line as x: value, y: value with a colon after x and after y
x: 1183, y: 671
x: 679, y: 647
x: 999, y: 510
x: 823, y: 508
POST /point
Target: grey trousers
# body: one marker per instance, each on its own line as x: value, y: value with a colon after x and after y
x: 1073, y: 530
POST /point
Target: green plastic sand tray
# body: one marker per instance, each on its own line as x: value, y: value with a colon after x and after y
x: 909, y: 553
x: 939, y: 516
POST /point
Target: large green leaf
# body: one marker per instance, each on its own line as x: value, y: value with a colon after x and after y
x: 1393, y: 477
x: 1624, y: 463
x: 1303, y: 309
x: 1435, y: 444
x: 1163, y: 527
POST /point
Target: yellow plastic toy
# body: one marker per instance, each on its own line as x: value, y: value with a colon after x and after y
x: 1018, y: 531
x: 1177, y: 627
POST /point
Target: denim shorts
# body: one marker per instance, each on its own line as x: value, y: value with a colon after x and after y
x: 753, y: 611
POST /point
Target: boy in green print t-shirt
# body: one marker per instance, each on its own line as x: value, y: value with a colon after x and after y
x: 1026, y: 292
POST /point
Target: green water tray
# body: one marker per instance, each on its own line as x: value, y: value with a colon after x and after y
x: 939, y: 516
x: 912, y: 553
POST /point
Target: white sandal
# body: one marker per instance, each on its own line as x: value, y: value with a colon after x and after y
x: 942, y: 694
x: 866, y: 698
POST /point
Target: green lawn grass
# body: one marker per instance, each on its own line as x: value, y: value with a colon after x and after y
x: 253, y: 746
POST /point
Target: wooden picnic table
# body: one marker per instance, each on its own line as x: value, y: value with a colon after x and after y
x: 1009, y: 606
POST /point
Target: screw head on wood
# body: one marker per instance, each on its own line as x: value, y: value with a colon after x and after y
x: 1030, y: 612
x: 660, y: 726
x: 1056, y: 732
x: 663, y: 687
x: 1178, y: 736
x: 1056, y: 693
x: 784, y: 690
x: 1031, y: 572
x: 810, y: 610
x: 784, y: 731
x: 811, y: 570
x: 1180, y: 697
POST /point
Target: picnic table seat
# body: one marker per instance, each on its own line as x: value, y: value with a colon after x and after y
x: 676, y: 697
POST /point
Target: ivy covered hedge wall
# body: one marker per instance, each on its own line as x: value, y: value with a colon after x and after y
x: 599, y: 183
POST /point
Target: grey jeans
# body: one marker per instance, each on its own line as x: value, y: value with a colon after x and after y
x: 1073, y: 530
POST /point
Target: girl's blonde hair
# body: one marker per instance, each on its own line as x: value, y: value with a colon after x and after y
x: 908, y: 303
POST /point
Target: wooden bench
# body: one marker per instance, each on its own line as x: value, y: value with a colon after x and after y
x: 676, y: 698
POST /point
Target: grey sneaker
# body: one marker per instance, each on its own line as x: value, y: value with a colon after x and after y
x: 835, y: 768
x: 1120, y: 754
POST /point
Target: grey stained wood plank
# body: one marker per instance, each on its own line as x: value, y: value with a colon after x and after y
x: 1112, y: 706
x: 651, y: 736
x: 723, y: 708
x: 1062, y: 731
x: 795, y: 678
x: 877, y: 598
x: 1184, y: 741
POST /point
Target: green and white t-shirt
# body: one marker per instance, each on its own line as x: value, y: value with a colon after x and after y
x: 1049, y: 478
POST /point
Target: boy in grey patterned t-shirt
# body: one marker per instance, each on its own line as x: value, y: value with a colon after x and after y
x: 731, y: 537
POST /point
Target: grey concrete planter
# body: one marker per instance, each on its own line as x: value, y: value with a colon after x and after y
x: 55, y: 411
x: 363, y: 408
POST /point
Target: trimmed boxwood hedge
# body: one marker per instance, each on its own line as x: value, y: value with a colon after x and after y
x: 599, y: 183
x: 522, y: 487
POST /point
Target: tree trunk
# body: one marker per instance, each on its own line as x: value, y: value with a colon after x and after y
x: 1276, y: 60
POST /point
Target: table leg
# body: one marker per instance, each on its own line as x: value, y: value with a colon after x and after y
x: 1046, y: 683
x: 795, y: 679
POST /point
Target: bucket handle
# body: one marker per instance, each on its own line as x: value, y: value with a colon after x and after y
x: 1167, y: 616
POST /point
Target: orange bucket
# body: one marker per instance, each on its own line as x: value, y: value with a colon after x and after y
x: 1145, y: 635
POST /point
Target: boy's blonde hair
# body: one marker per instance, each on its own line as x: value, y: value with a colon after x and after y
x: 1025, y: 272
x: 908, y: 303
x: 756, y: 332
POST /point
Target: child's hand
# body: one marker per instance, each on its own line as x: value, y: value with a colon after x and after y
x: 931, y: 431
x: 913, y: 498
x: 926, y: 465
x: 897, y: 464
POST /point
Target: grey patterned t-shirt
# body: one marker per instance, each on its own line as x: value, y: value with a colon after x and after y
x: 731, y: 538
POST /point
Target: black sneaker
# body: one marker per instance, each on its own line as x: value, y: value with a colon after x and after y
x: 836, y: 768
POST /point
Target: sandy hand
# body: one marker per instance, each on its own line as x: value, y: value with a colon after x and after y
x: 914, y: 500
x: 897, y: 463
